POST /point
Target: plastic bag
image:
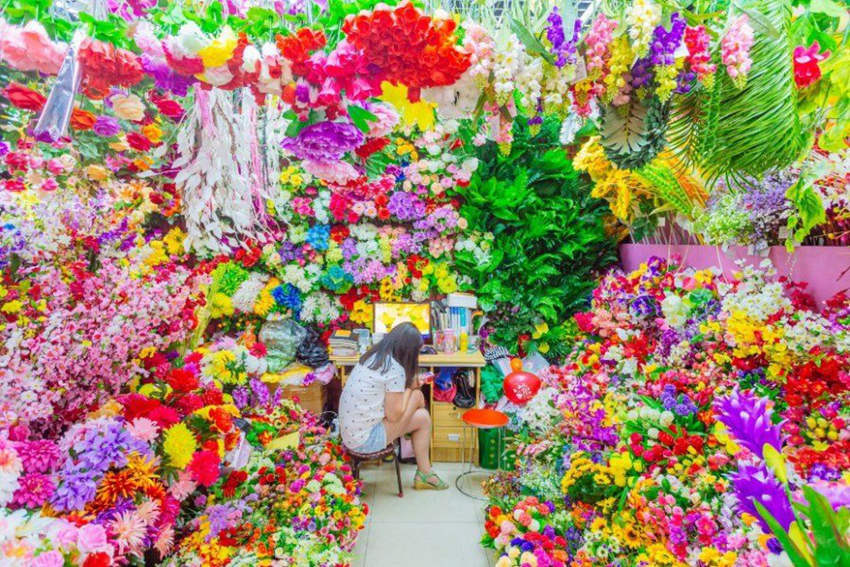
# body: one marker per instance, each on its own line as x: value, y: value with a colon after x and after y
x: 535, y: 363
x: 312, y: 351
x: 56, y: 114
x: 282, y: 338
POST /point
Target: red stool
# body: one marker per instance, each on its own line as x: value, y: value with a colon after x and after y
x: 478, y: 419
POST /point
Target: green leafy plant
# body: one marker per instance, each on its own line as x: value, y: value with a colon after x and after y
x: 550, y: 240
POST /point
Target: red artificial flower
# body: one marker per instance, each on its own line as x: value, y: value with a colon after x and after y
x: 138, y: 142
x: 182, y: 380
x: 99, y: 559
x: 24, y: 98
x: 339, y: 232
x: 164, y: 416
x: 806, y: 64
x: 258, y: 349
x: 221, y: 419
x: 371, y: 146
x: 204, y: 467
x: 233, y: 481
x: 82, y: 120
x: 408, y: 47
x: 189, y: 403
x: 103, y: 66
x: 213, y: 397
x: 17, y: 162
x: 169, y: 108
x: 188, y: 66
x: 298, y: 47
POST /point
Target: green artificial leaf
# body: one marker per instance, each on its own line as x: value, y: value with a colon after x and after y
x: 295, y: 128
x: 795, y: 554
x: 832, y: 9
x: 530, y: 42
x: 831, y: 548
x: 809, y: 207
x: 361, y: 117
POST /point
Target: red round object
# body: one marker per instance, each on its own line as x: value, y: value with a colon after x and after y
x: 485, y: 418
x: 520, y: 387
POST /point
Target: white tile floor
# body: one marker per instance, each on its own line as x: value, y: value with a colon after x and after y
x: 425, y: 528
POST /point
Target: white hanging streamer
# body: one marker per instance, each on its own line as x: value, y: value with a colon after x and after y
x: 222, y: 176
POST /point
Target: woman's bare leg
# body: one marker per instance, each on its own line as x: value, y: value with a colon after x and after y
x: 420, y: 430
x: 417, y: 422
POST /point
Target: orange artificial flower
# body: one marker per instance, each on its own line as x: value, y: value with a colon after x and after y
x: 82, y: 120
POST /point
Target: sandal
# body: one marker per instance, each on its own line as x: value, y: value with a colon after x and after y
x: 428, y: 482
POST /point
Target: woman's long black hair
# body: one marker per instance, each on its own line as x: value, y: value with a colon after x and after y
x: 402, y: 344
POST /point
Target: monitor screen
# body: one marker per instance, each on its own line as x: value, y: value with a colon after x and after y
x: 388, y: 315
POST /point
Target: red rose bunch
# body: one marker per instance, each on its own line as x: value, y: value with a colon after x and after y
x: 410, y: 48
x: 24, y: 98
x: 104, y: 66
x: 298, y: 47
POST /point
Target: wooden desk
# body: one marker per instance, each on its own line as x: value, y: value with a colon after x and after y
x: 447, y: 428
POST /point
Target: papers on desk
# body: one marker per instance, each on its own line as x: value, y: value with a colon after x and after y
x: 343, y: 343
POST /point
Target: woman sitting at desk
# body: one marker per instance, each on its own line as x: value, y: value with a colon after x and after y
x: 381, y: 401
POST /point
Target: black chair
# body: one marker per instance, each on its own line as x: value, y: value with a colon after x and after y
x: 393, y: 449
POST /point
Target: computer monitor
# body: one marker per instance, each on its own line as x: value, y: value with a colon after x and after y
x: 388, y: 315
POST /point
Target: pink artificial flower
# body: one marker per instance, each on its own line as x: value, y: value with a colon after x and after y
x: 735, y: 48
x: 29, y: 48
x: 91, y: 538
x: 806, y: 64
x: 48, y: 559
x: 338, y: 172
x: 143, y: 429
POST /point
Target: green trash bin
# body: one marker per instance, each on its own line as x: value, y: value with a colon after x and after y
x: 491, y: 448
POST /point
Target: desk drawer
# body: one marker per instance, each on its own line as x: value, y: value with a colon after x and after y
x: 453, y: 437
x: 446, y: 414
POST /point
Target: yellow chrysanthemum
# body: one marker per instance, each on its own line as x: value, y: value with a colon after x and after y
x: 179, y: 445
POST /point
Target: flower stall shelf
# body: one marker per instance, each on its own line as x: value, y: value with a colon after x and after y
x: 824, y: 269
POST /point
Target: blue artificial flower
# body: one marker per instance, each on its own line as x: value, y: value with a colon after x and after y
x: 318, y: 236
x: 288, y: 296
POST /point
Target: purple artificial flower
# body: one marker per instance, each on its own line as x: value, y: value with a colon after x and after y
x: 758, y: 484
x: 405, y: 206
x: 324, y: 141
x: 77, y: 489
x: 642, y: 73
x: 4, y: 148
x: 164, y: 77
x: 749, y: 421
x: 665, y: 43
x: 563, y: 50
x: 106, y: 126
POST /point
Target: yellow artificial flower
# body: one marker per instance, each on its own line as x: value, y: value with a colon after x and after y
x: 540, y: 329
x: 220, y: 306
x: 174, y: 241
x: 97, y: 172
x: 13, y: 306
x: 179, y: 445
x: 420, y: 114
x: 152, y: 132
x: 220, y: 50
x: 362, y: 312
x: 119, y: 146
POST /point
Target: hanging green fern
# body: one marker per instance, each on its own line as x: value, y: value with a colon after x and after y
x: 758, y: 126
